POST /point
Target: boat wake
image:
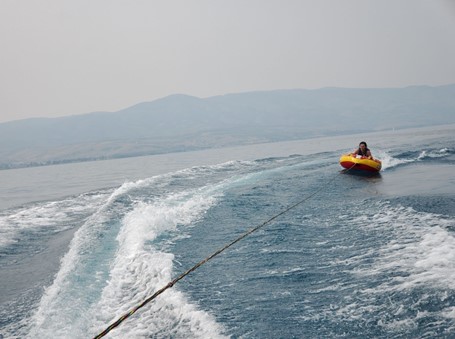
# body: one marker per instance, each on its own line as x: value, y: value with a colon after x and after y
x: 390, y: 161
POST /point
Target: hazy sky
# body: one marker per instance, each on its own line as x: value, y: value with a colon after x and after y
x: 62, y: 57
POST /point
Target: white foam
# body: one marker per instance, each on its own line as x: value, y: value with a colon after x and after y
x: 139, y: 270
x: 418, y: 254
x: 389, y: 162
x: 52, y: 216
x: 136, y: 272
x: 434, y: 154
x: 57, y: 306
x: 422, y: 249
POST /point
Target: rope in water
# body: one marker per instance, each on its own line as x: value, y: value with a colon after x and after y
x: 202, y: 262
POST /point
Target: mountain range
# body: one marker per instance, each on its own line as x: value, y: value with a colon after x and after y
x: 181, y: 122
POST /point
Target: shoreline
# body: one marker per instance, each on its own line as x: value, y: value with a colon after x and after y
x: 6, y: 167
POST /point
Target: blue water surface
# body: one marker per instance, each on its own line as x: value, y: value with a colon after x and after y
x: 356, y: 257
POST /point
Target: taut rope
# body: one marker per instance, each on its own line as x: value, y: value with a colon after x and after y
x: 202, y: 262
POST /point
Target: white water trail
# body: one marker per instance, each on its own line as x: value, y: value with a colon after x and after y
x: 58, y: 306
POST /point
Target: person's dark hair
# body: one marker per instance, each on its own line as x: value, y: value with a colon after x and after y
x: 363, y: 142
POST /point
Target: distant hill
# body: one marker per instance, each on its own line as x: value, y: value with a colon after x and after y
x: 181, y: 122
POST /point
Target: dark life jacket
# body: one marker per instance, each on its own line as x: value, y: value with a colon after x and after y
x: 363, y: 154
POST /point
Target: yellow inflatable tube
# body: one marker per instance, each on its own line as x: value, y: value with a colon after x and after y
x: 362, y: 163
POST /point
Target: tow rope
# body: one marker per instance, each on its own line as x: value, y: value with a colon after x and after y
x: 202, y: 262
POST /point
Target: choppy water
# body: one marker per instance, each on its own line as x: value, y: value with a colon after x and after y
x: 365, y: 257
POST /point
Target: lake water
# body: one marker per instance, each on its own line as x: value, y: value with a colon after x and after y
x: 363, y: 257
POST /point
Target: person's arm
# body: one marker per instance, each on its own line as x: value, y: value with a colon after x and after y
x: 369, y: 155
